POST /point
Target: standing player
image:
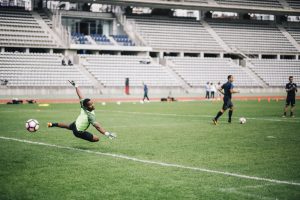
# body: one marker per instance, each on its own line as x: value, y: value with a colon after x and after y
x: 291, y: 89
x: 207, y: 90
x: 145, y: 92
x: 228, y: 91
x: 83, y: 121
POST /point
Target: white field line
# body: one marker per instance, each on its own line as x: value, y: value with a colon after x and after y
x: 204, y: 116
x: 253, y: 186
x: 294, y: 120
x: 237, y: 190
x: 155, y: 162
x: 246, y: 194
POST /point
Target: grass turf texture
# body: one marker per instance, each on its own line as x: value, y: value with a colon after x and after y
x: 179, y: 133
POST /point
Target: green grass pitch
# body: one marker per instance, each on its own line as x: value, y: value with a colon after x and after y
x: 180, y: 133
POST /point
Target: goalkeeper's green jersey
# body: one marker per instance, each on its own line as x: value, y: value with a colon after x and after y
x: 85, y: 118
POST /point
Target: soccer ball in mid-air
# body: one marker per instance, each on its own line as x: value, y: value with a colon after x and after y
x: 242, y: 120
x: 32, y: 125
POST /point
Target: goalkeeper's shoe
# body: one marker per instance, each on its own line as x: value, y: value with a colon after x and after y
x: 215, y: 122
x: 49, y: 124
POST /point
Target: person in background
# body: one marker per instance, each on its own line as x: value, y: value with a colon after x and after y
x: 63, y: 62
x: 213, y: 90
x: 291, y: 89
x: 207, y: 89
x: 219, y: 93
x: 70, y: 63
x: 145, y: 92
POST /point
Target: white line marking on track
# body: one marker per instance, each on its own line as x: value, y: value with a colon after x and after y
x: 155, y: 162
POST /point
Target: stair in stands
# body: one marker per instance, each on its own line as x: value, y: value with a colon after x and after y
x: 215, y: 36
x: 57, y: 40
x: 289, y: 37
x: 97, y: 84
x: 249, y: 69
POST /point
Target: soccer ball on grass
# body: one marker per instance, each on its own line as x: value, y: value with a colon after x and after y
x: 242, y: 120
x: 32, y: 125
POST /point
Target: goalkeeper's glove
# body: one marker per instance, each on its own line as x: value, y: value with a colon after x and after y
x: 73, y: 83
x: 110, y: 135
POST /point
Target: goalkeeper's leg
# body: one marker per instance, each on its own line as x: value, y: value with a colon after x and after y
x: 60, y: 125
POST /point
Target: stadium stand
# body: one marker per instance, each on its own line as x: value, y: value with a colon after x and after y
x: 197, y: 1
x: 197, y: 71
x: 174, y: 34
x: 294, y: 30
x: 22, y: 30
x: 123, y: 40
x: 251, y: 3
x: 252, y: 36
x: 275, y: 72
x: 36, y: 69
x: 19, y: 28
x: 101, y: 39
x: 46, y: 18
x: 79, y: 38
x: 294, y: 3
x: 112, y: 70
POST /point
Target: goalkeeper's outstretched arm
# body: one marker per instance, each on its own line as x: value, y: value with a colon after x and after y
x: 77, y: 89
x: 103, y: 131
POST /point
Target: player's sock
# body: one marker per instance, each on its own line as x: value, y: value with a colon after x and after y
x: 292, y: 114
x: 218, y: 115
x: 284, y: 113
x: 230, y: 115
x: 52, y: 124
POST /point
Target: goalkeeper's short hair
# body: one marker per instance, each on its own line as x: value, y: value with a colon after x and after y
x: 85, y: 102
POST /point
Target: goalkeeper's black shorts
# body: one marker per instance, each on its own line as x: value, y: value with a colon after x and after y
x: 81, y: 134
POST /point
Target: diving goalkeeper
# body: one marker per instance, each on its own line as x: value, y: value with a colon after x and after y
x: 83, y: 121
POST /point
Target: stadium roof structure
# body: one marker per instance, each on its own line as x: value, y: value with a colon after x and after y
x: 197, y: 5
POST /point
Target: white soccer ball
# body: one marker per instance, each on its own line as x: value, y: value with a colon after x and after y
x: 118, y: 102
x: 32, y: 125
x: 103, y: 103
x: 242, y: 120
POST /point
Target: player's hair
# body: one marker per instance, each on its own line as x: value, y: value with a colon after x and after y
x: 291, y: 77
x: 228, y: 77
x: 85, y: 102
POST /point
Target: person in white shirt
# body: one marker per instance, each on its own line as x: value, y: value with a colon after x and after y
x: 213, y: 90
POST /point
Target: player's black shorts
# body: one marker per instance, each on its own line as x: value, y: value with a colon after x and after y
x: 290, y: 101
x: 81, y: 134
x: 227, y: 103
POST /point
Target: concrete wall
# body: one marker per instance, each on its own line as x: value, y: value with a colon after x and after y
x: 61, y: 92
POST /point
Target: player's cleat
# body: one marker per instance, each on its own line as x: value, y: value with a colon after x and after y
x: 112, y: 136
x: 49, y: 124
x: 292, y: 116
x: 215, y: 122
x: 284, y: 116
x: 229, y: 121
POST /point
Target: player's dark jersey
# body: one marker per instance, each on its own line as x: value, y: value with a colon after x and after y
x: 227, y: 87
x: 145, y: 89
x: 292, y: 87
